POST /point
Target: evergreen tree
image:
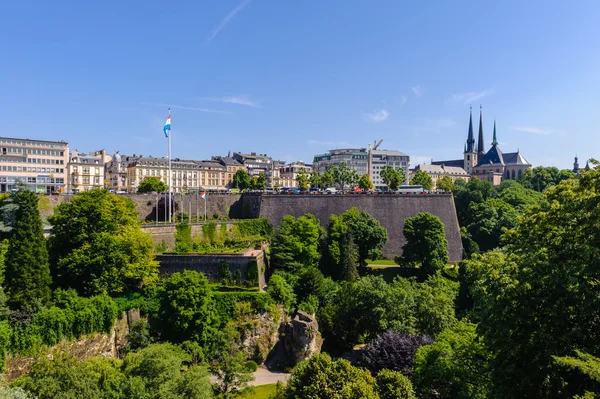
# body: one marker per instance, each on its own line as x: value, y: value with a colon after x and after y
x: 27, y: 269
x: 426, y: 242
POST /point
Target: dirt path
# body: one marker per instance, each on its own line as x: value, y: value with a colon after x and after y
x: 262, y: 376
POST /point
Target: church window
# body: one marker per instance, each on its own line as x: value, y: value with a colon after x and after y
x: 513, y: 174
x: 520, y: 173
x: 468, y: 157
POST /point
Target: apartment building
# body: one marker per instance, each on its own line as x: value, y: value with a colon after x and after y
x: 115, y: 171
x: 187, y: 175
x: 39, y: 165
x: 86, y: 171
x: 232, y: 165
x: 355, y: 158
x: 256, y: 164
x: 381, y: 158
x: 289, y: 173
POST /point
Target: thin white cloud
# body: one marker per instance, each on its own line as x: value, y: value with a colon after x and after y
x: 419, y: 159
x: 403, y: 100
x: 376, y: 116
x: 241, y: 99
x: 531, y: 129
x: 469, y: 97
x: 226, y: 20
x: 175, y: 106
x: 331, y: 144
x: 418, y: 90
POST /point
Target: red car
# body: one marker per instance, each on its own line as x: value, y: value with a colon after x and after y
x: 357, y: 190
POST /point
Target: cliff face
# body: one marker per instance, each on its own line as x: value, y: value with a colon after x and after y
x: 390, y: 210
x: 106, y: 345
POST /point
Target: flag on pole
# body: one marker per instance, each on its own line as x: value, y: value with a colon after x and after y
x: 203, y: 196
x: 491, y: 162
x: 167, y: 128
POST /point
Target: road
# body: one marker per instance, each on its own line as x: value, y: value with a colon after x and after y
x: 262, y: 376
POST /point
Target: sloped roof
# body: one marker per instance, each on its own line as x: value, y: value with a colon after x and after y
x: 515, y: 158
x: 459, y: 163
x: 494, y: 155
x: 441, y: 169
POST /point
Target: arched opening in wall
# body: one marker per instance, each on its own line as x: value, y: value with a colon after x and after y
x: 513, y: 174
x: 507, y: 174
x: 520, y: 173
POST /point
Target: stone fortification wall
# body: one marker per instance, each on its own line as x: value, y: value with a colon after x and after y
x: 210, y: 264
x: 225, y: 205
x: 390, y: 210
x: 166, y: 233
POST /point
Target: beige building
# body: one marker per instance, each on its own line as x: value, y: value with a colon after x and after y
x: 289, y: 173
x: 38, y: 164
x: 437, y: 172
x: 186, y: 175
x: 86, y: 171
x: 115, y: 172
x: 232, y: 165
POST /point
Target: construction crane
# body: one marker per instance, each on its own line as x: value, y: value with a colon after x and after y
x: 378, y: 144
x: 370, y: 158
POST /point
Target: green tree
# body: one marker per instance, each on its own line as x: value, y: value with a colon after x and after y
x: 281, y: 291
x: 515, y: 194
x: 454, y: 366
x: 391, y: 177
x: 155, y: 372
x: 341, y: 174
x: 327, y: 179
x: 426, y: 242
x: 302, y: 180
x: 465, y: 194
x: 315, y: 180
x: 152, y: 185
x: 296, y: 244
x: 393, y: 385
x: 97, y: 245
x: 27, y: 273
x: 187, y: 310
x: 367, y: 233
x: 231, y: 372
x: 421, y: 178
x: 341, y: 260
x: 445, y: 183
x: 320, y: 377
x: 241, y: 179
x: 489, y: 220
x: 365, y: 182
x: 261, y: 182
x: 310, y: 282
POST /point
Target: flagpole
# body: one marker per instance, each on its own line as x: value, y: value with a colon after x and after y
x: 170, y: 176
x: 205, y: 199
x: 197, y: 206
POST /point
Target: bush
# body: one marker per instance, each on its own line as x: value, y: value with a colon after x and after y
x: 261, y: 228
x: 251, y: 366
x: 226, y: 302
x: 183, y: 237
x: 394, y: 385
x: 281, y: 291
x: 393, y: 351
x: 139, y: 335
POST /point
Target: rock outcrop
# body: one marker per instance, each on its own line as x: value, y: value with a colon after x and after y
x: 301, y: 338
x: 260, y: 333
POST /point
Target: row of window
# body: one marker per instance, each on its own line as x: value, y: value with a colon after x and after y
x: 33, y: 160
x: 85, y: 170
x: 32, y: 180
x: 86, y: 180
x: 30, y: 169
x: 33, y: 143
x: 31, y: 151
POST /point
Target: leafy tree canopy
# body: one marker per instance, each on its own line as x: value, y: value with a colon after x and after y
x: 365, y: 182
x: 445, y: 183
x: 454, y: 366
x: 97, y: 245
x: 421, y: 178
x: 426, y: 242
x: 296, y: 244
x: 241, y: 179
x: 367, y: 233
x: 152, y: 185
x: 27, y: 272
x: 391, y: 177
x: 302, y: 180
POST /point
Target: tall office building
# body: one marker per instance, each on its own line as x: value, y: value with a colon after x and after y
x: 39, y: 165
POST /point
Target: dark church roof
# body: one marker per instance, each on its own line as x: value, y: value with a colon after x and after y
x: 470, y: 139
x: 459, y: 163
x: 480, y: 142
x: 515, y: 158
x: 492, y: 157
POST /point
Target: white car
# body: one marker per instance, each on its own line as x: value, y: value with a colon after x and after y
x: 330, y: 190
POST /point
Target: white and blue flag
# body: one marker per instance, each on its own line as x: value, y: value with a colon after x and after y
x: 167, y: 128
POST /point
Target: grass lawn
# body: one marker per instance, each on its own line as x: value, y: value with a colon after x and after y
x: 260, y: 392
x: 386, y: 262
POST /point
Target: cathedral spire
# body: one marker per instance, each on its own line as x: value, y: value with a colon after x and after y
x: 470, y: 139
x: 480, y: 142
x: 494, y: 141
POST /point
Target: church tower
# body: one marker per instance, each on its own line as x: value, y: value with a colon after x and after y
x: 480, y: 141
x: 470, y: 156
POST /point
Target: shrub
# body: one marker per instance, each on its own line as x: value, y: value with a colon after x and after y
x: 281, y: 291
x: 209, y: 230
x: 251, y: 366
x: 252, y: 273
x: 394, y: 385
x: 393, y: 351
x: 139, y: 335
x: 226, y: 303
x: 183, y: 237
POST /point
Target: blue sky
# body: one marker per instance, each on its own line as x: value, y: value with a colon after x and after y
x: 296, y: 78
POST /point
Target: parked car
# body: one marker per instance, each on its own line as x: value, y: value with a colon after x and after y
x: 330, y: 190
x: 314, y: 190
x: 356, y: 190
